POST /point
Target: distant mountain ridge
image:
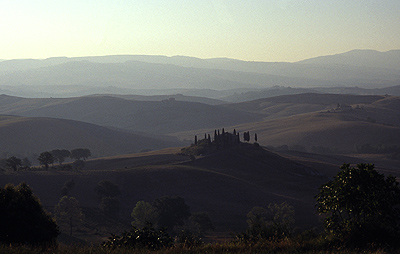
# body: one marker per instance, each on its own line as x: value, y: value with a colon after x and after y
x: 361, y: 58
x: 363, y: 68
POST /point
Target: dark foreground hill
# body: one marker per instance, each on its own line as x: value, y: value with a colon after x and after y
x: 225, y: 184
x: 29, y: 136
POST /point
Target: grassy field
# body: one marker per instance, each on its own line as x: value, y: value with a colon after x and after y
x: 285, y: 246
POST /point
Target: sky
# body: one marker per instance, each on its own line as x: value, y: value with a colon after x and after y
x: 253, y: 30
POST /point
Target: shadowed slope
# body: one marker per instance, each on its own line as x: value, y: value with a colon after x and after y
x: 146, y: 116
x: 225, y: 184
x: 28, y: 136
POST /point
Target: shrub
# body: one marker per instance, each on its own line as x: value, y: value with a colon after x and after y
x: 23, y: 219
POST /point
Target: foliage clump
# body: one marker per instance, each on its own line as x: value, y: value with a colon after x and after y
x: 23, y: 219
x: 274, y: 223
x: 145, y: 238
x: 362, y: 207
x: 68, y: 212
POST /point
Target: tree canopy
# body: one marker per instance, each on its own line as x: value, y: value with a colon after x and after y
x: 60, y: 155
x: 80, y: 153
x: 275, y: 221
x: 144, y: 213
x: 107, y: 189
x: 361, y: 206
x: 68, y: 212
x: 13, y: 163
x: 45, y: 159
x: 172, y: 211
x: 23, y: 219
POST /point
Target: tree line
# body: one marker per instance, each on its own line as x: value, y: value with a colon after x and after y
x: 49, y: 157
x: 221, y: 140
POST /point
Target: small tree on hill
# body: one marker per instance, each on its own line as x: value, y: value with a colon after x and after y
x: 68, y: 212
x: 23, y: 219
x: 60, y: 155
x: 26, y: 163
x: 80, y: 153
x: 107, y: 189
x: 45, y: 159
x: 13, y: 163
x: 361, y: 206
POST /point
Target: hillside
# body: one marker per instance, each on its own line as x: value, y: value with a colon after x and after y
x: 226, y: 184
x: 316, y: 120
x: 157, y: 117
x: 178, y: 97
x: 288, y: 105
x: 28, y: 137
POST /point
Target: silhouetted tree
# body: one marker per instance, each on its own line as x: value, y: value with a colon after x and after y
x: 202, y: 221
x: 255, y: 137
x: 67, y: 188
x: 13, y: 163
x: 172, y: 211
x: 23, y: 219
x: 68, y: 212
x: 246, y: 136
x: 195, y: 140
x: 274, y: 222
x: 45, y: 159
x: 60, y: 155
x: 361, y: 206
x: 26, y: 163
x: 107, y: 189
x: 80, y: 153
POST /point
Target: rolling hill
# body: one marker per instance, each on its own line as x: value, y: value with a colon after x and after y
x: 336, y: 123
x: 157, y: 117
x: 29, y: 136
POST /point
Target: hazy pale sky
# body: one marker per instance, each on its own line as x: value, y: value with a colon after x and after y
x: 254, y: 30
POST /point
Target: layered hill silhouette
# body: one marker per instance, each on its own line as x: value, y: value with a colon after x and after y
x: 29, y: 136
x: 89, y: 75
x: 330, y: 122
x: 158, y: 117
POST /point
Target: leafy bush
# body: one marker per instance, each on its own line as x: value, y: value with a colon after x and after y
x: 275, y: 222
x: 23, y: 219
x: 362, y: 207
x: 147, y: 238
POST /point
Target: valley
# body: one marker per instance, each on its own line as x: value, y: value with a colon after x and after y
x: 139, y: 116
